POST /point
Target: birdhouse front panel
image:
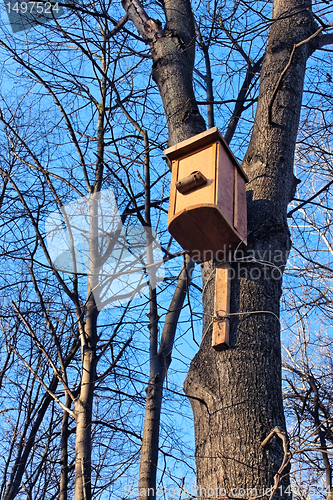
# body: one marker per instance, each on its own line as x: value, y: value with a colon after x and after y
x: 207, y: 210
x: 204, y: 193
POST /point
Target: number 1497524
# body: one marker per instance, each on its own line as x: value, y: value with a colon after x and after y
x: 39, y: 7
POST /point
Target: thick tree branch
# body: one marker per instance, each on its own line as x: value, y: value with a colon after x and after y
x: 324, y: 40
x: 239, y: 105
x: 281, y: 433
x: 146, y: 27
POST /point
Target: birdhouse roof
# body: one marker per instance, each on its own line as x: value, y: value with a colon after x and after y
x: 198, y: 142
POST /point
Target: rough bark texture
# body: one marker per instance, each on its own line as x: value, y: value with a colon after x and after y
x: 173, y: 73
x: 173, y: 51
x: 241, y: 387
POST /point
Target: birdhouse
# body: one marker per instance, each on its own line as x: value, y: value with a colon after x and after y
x: 207, y: 209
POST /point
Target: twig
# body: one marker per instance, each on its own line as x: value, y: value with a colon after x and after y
x: 43, y: 350
x: 281, y: 433
x: 289, y: 214
x: 286, y: 69
x: 42, y: 383
x: 118, y: 27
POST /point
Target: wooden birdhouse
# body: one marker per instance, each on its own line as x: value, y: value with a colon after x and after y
x: 207, y: 210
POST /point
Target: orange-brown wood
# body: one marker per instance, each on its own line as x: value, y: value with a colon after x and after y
x: 225, y: 184
x: 220, y: 337
x: 240, y: 215
x: 196, y: 230
x: 173, y: 190
x: 209, y: 220
x: 203, y: 194
x: 198, y: 142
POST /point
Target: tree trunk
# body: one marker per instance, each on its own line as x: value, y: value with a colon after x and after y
x: 83, y: 407
x: 88, y: 336
x: 241, y: 387
x: 63, y: 490
x: 173, y: 51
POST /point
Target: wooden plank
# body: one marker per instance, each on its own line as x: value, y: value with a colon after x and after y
x: 189, y: 235
x: 173, y: 191
x: 236, y: 200
x: 202, y: 228
x: 240, y: 210
x: 220, y: 337
x: 193, y: 144
x: 225, y: 185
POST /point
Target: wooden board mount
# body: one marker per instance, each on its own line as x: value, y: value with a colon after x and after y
x: 220, y: 337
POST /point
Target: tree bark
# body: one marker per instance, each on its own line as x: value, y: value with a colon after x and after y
x: 83, y: 407
x: 84, y: 403
x: 241, y: 387
x: 173, y: 51
x: 63, y: 490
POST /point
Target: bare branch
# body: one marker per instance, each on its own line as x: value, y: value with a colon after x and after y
x: 286, y: 69
x: 281, y: 433
x: 42, y: 383
x: 291, y: 212
x: 117, y: 28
